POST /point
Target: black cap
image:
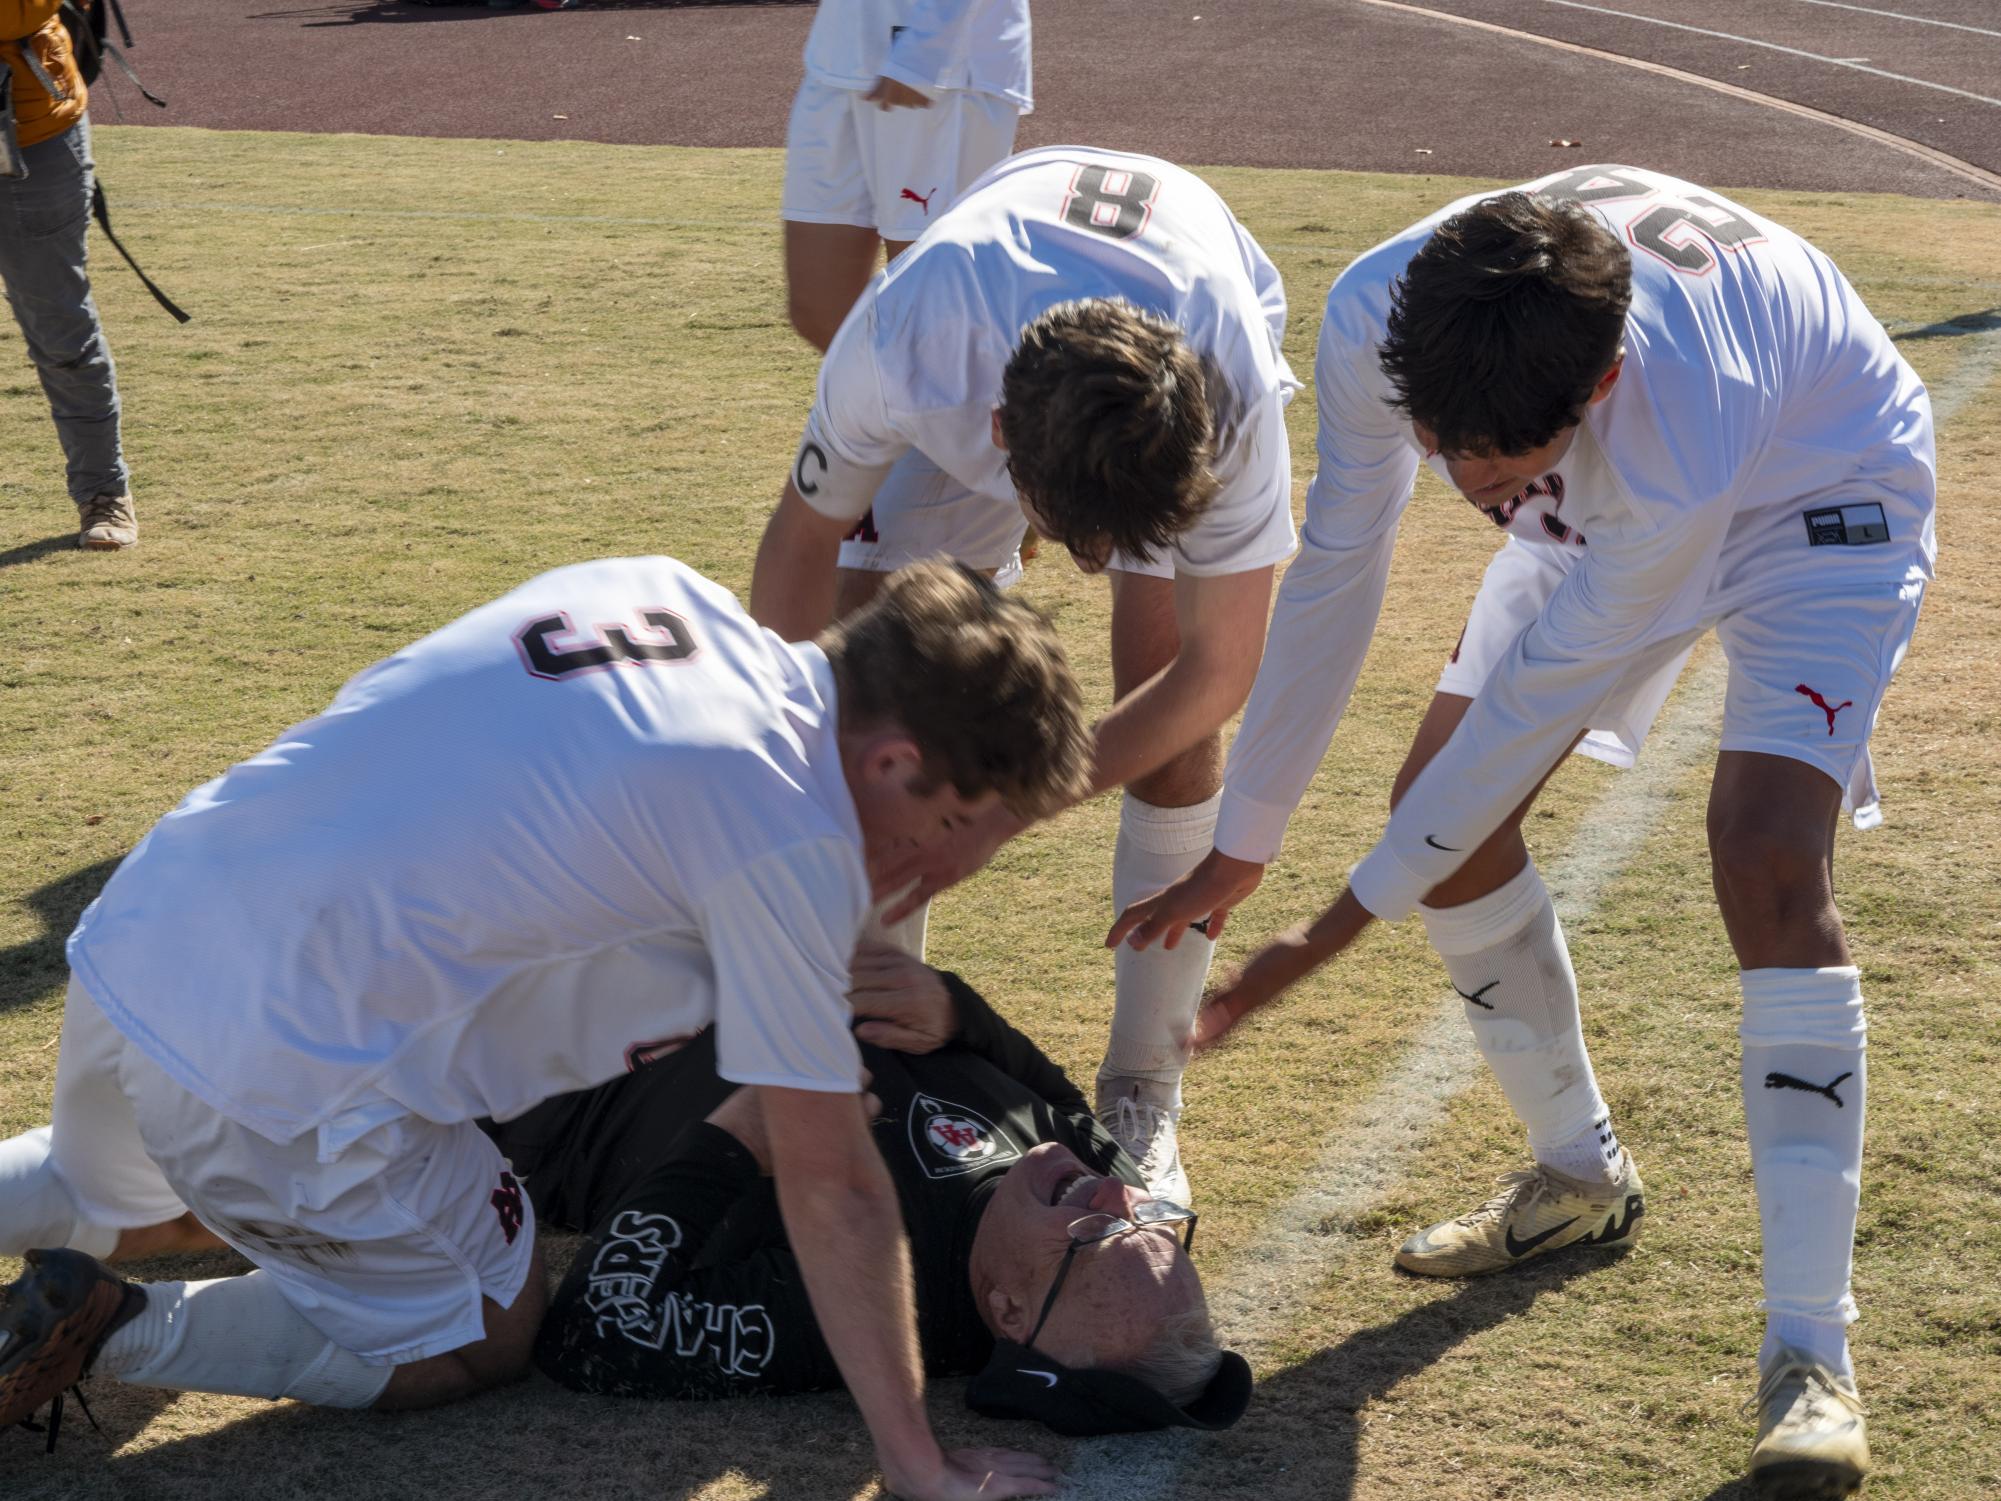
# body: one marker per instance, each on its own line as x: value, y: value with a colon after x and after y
x: 1023, y: 1383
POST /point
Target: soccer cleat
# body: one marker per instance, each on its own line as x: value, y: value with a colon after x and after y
x: 1811, y: 1442
x: 108, y: 523
x: 1535, y: 1212
x: 1145, y: 1132
x: 52, y: 1323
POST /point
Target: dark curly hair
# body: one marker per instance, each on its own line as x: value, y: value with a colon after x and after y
x: 1106, y: 416
x: 1505, y: 321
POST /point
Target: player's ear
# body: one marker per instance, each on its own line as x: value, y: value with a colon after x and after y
x: 999, y: 441
x: 891, y: 760
x: 1607, y: 381
x: 1007, y: 1315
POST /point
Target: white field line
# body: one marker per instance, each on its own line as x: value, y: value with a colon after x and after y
x: 1751, y: 41
x: 1897, y: 15
x: 1970, y: 378
x: 1362, y: 1159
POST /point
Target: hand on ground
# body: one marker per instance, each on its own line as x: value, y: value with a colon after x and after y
x: 981, y: 1475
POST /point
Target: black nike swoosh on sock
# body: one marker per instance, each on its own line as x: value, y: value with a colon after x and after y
x: 1523, y: 1247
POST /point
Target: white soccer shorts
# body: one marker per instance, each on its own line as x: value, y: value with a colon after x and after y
x: 921, y: 512
x: 891, y: 170
x: 1811, y: 651
x: 386, y: 1246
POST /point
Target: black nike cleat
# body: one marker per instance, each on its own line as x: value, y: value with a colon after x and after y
x: 1536, y: 1212
x: 53, y: 1321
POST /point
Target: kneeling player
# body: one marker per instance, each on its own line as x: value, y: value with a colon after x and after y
x: 1708, y: 429
x: 1034, y: 1242
x: 600, y: 813
x: 1090, y: 339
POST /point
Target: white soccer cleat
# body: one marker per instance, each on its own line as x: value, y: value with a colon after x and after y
x: 1145, y: 1132
x: 1812, y: 1445
x: 1535, y: 1212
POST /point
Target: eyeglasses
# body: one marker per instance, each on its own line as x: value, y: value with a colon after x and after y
x: 1090, y: 1229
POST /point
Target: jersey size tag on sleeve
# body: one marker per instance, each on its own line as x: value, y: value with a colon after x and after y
x: 1847, y: 526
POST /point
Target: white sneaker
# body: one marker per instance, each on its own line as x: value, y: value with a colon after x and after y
x: 1812, y: 1445
x: 1535, y: 1212
x: 1145, y: 1131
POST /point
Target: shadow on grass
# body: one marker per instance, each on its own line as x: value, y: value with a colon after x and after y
x: 1957, y: 327
x: 27, y: 552
x: 36, y: 965
x: 1305, y: 1423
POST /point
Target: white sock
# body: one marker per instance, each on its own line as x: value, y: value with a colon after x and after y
x: 238, y: 1336
x: 1804, y: 1067
x: 36, y: 1210
x: 1158, y: 989
x: 1507, y: 959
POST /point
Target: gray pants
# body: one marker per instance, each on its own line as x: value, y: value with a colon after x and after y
x: 44, y: 220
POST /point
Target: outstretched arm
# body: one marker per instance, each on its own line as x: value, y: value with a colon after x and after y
x: 842, y: 1218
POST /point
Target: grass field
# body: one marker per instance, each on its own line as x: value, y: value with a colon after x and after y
x: 421, y: 371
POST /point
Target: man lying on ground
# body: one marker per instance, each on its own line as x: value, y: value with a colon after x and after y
x: 1036, y: 1249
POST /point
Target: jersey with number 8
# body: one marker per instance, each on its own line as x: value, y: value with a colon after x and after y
x: 918, y: 363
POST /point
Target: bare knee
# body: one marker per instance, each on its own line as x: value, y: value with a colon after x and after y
x: 1765, y: 875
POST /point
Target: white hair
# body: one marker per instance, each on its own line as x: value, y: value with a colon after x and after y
x: 1183, y: 1357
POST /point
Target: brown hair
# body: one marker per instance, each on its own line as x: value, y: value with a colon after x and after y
x: 1106, y: 417
x: 976, y: 678
x: 1505, y: 321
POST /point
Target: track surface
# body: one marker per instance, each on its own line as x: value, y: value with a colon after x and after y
x: 1312, y: 83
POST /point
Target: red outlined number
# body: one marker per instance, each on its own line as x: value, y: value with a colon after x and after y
x: 1111, y: 200
x: 1671, y: 229
x: 551, y: 648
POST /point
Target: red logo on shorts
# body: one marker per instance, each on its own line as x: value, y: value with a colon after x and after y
x: 924, y: 202
x: 1830, y: 710
x: 506, y: 1203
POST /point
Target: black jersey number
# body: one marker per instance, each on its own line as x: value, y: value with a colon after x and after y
x: 1672, y: 228
x: 1111, y: 200
x: 666, y: 638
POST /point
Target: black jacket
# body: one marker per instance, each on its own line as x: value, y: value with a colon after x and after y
x: 687, y: 1286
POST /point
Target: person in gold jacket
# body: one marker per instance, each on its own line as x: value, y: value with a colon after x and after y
x: 45, y: 198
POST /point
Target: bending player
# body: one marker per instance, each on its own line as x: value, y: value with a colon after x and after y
x: 689, y: 1285
x: 590, y: 818
x: 1090, y: 339
x: 903, y: 104
x: 1708, y: 430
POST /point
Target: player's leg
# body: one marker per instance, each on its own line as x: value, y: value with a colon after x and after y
x: 830, y: 234
x: 1496, y: 928
x: 85, y: 1181
x: 1808, y: 670
x: 398, y: 1270
x: 1167, y: 823
x: 922, y: 512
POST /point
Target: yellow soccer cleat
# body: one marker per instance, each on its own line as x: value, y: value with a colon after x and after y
x: 1535, y: 1212
x: 1811, y: 1442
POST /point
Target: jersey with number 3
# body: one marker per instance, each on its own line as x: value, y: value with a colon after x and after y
x: 585, y: 820
x: 1756, y: 391
x: 918, y: 363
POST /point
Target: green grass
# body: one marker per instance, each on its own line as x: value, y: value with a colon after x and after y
x: 421, y: 371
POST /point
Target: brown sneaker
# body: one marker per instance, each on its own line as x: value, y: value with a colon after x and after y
x: 52, y: 1322
x: 109, y: 523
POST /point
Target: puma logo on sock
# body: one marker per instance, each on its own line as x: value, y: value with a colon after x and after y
x: 1787, y: 1081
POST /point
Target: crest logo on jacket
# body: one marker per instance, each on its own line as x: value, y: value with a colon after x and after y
x: 950, y: 1140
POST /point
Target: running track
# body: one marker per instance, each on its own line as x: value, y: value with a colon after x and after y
x: 1699, y: 88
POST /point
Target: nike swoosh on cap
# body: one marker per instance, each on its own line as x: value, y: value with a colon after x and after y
x: 1049, y: 1376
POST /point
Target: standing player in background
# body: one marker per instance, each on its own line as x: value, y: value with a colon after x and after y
x: 904, y: 103
x: 577, y: 825
x: 1091, y: 340
x: 45, y: 187
x: 1708, y: 429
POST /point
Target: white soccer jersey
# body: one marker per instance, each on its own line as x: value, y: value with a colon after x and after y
x: 593, y: 816
x: 1759, y: 397
x: 978, y: 45
x: 918, y: 363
